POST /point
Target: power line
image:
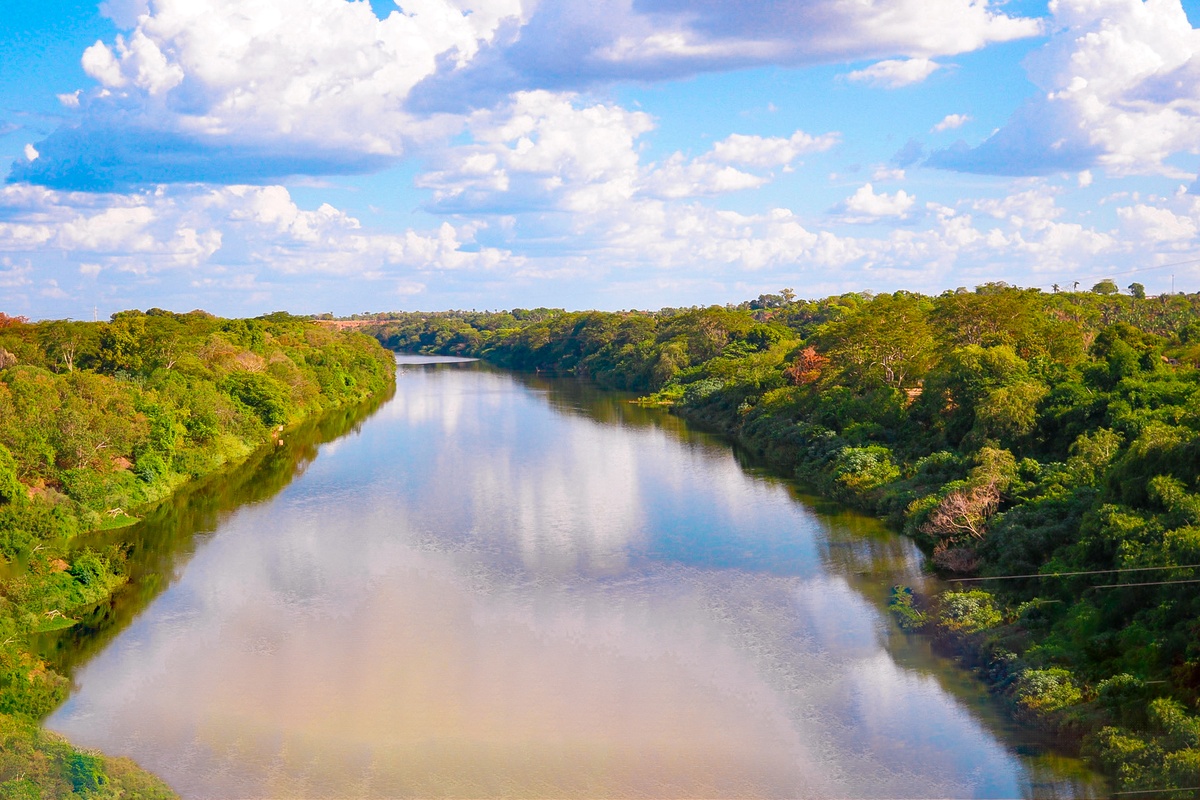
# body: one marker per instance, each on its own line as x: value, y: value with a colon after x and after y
x: 1127, y: 272
x: 1067, y: 574
x: 1161, y: 791
x: 1160, y: 266
x: 1151, y: 583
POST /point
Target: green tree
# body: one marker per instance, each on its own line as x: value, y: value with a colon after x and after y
x: 887, y: 342
x: 164, y: 342
x: 264, y: 395
x: 30, y: 398
x: 10, y: 488
x: 969, y: 612
x: 987, y: 392
x: 96, y: 423
x: 67, y: 343
x: 1047, y: 690
x: 122, y: 343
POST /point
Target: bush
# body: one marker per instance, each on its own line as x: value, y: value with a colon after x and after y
x: 262, y: 394
x: 1181, y: 770
x: 1044, y: 691
x: 700, y: 390
x: 86, y: 772
x: 100, y: 491
x: 1124, y: 698
x: 969, y: 612
x: 11, y: 489
x: 1176, y: 728
x: 901, y: 607
x: 1132, y: 759
x: 150, y: 466
x: 861, y: 469
x: 39, y: 765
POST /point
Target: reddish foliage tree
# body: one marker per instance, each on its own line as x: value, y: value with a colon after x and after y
x: 963, y: 512
x: 806, y: 368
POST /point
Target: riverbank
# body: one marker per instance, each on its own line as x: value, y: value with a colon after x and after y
x: 1046, y: 444
x: 100, y: 422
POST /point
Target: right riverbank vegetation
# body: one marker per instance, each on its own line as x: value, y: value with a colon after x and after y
x: 1045, y: 446
x: 100, y: 422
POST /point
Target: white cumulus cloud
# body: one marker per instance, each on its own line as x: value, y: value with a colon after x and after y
x: 712, y: 172
x: 551, y: 150
x: 950, y: 122
x: 1119, y: 88
x: 661, y: 35
x: 99, y: 62
x: 867, y: 206
x: 768, y: 151
x: 1158, y: 226
x: 677, y: 177
x: 1035, y: 204
x: 261, y: 89
x: 543, y: 149
x: 894, y: 73
x: 212, y: 229
x: 253, y: 242
x: 885, y: 172
x: 233, y: 91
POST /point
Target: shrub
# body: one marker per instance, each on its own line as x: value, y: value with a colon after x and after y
x: 150, y: 466
x: 901, y: 607
x: 1047, y: 690
x: 1124, y: 697
x: 10, y: 488
x: 861, y: 469
x: 700, y: 390
x: 1176, y: 727
x: 969, y: 612
x: 262, y: 394
x: 86, y: 772
x: 1129, y: 757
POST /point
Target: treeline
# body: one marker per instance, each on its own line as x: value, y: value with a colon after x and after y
x: 99, y: 421
x: 1010, y: 432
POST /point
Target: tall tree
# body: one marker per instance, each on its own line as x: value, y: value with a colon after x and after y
x: 886, y: 342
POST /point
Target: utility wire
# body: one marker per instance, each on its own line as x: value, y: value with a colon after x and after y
x: 1126, y: 272
x: 1066, y: 574
x: 1151, y: 583
x: 1161, y: 791
x: 1160, y: 266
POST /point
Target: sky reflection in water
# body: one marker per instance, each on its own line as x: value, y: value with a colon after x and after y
x: 505, y: 587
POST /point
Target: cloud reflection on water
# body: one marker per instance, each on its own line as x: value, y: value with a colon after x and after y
x: 480, y: 597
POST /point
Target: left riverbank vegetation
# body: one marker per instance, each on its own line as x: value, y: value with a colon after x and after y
x: 100, y: 421
x: 1010, y: 432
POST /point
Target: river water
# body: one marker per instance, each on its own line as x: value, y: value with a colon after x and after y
x: 505, y: 586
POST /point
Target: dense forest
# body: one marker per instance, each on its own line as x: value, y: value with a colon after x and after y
x: 100, y: 421
x: 1044, y: 446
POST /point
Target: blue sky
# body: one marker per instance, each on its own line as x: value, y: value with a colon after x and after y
x: 326, y: 155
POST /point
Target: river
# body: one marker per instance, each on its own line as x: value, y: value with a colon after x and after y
x: 507, y: 586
